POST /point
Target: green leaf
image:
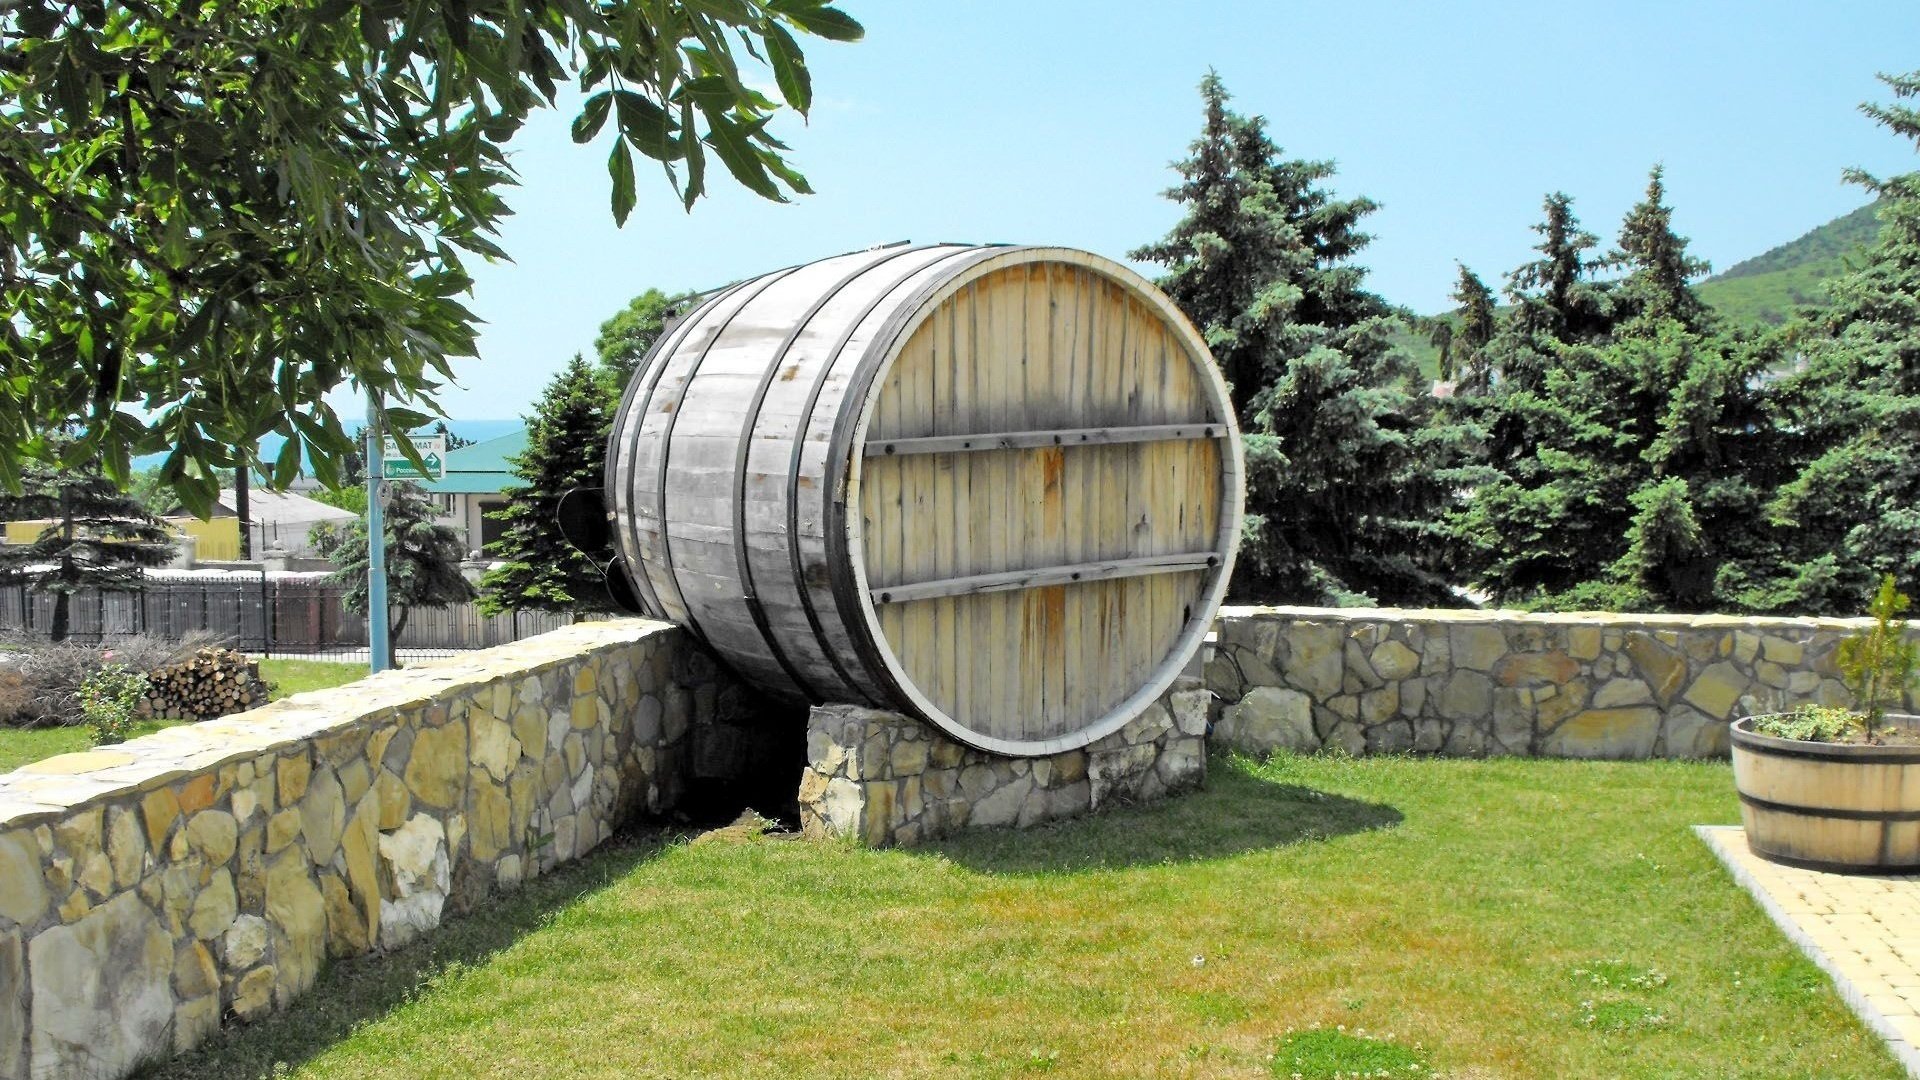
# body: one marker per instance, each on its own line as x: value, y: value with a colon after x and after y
x: 827, y: 22
x: 620, y: 168
x: 286, y: 466
x: 38, y: 22
x: 789, y: 68
x: 739, y: 156
x: 646, y: 126
x: 696, y: 157
x: 592, y: 116
x: 708, y: 92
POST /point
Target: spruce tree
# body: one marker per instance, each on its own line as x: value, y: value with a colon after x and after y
x: 566, y: 449
x: 1474, y: 324
x: 1854, y: 505
x: 1638, y: 434
x: 97, y: 536
x: 1349, y: 468
x: 423, y: 561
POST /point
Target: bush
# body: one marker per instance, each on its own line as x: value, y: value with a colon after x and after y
x: 40, y: 686
x: 107, y: 700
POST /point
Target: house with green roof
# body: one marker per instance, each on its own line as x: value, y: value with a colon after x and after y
x: 476, y: 475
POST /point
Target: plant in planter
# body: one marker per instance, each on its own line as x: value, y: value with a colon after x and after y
x: 1839, y: 789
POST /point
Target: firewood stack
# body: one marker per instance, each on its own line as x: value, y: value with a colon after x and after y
x: 209, y: 683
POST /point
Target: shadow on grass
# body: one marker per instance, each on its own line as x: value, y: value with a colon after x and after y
x: 1237, y: 812
x: 362, y: 989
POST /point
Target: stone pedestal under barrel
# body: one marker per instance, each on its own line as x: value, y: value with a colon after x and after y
x: 997, y: 488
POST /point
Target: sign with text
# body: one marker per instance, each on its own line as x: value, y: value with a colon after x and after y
x: 433, y: 453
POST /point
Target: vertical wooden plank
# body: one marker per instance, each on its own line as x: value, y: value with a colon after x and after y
x: 916, y: 536
x: 969, y: 335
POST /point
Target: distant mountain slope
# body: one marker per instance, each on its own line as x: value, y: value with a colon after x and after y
x: 1769, y: 288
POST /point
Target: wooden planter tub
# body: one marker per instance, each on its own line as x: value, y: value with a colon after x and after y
x: 1827, y: 806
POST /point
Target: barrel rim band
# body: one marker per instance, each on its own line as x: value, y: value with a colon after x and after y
x: 1828, y: 867
x: 1836, y: 813
x: 840, y: 573
x: 1835, y: 753
x: 743, y: 551
x: 647, y: 372
x: 753, y: 289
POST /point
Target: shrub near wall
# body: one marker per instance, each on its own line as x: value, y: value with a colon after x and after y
x: 1503, y: 682
x: 151, y: 889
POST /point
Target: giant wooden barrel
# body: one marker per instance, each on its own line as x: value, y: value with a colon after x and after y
x: 995, y: 487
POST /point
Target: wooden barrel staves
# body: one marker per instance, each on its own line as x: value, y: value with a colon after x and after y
x: 1830, y: 806
x: 995, y: 487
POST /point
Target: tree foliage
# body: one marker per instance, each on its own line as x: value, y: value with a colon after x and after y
x: 423, y: 560
x: 1852, y: 507
x: 97, y: 536
x: 1631, y: 432
x: 1349, y: 465
x: 566, y: 449
x: 624, y: 339
x: 211, y: 214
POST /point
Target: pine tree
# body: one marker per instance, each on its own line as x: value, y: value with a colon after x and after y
x: 423, y: 561
x: 1637, y: 433
x: 566, y: 449
x: 1854, y: 505
x: 1474, y: 324
x: 1349, y: 469
x: 97, y: 536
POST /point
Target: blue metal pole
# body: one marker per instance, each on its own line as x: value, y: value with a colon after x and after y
x: 376, y: 540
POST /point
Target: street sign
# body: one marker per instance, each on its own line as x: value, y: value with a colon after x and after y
x: 432, y: 450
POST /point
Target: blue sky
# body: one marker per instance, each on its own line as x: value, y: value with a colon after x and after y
x: 1046, y: 121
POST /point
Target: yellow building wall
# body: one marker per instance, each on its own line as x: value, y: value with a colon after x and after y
x: 218, y: 539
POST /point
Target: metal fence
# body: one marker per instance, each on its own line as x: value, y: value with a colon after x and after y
x: 264, y: 615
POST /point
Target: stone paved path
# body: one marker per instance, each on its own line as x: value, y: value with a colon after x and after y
x: 1863, y: 931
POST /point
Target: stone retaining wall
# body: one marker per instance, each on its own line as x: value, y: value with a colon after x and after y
x: 1473, y: 683
x: 151, y: 891
x: 887, y: 779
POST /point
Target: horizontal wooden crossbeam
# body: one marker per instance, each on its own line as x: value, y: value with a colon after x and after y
x: 1014, y: 440
x: 1008, y: 580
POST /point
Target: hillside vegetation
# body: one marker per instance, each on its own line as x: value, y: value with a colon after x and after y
x: 1768, y: 288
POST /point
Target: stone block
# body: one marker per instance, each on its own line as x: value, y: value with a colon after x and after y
x: 1617, y: 692
x: 23, y: 892
x: 13, y: 1006
x: 213, y: 834
x: 417, y: 866
x: 1476, y: 648
x: 1717, y: 689
x: 160, y: 810
x: 126, y: 847
x: 437, y: 769
x: 1316, y: 661
x: 246, y: 942
x: 102, y: 993
x: 1583, y: 642
x: 1553, y: 668
x: 1269, y: 718
x: 1614, y: 734
x: 1393, y: 660
x: 293, y: 771
x: 298, y: 916
x: 1661, y: 666
x: 1467, y: 695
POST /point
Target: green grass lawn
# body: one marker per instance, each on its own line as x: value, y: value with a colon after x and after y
x: 1479, y: 919
x: 295, y: 676
x: 18, y: 746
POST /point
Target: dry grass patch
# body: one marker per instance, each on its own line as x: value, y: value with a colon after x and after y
x: 1498, y: 919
